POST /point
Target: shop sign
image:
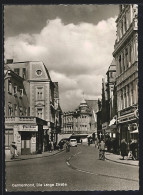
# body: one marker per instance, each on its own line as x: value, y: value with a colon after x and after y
x: 104, y: 125
x: 28, y: 128
x: 45, y: 127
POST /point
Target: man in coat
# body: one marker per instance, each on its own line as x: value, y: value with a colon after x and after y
x: 123, y: 148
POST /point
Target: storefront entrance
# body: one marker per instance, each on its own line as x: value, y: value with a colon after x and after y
x: 25, y: 142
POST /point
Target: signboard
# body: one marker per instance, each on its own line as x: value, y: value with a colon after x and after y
x: 104, y: 125
x: 28, y: 128
x: 45, y: 127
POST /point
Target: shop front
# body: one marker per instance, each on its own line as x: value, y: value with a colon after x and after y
x: 25, y: 137
x: 128, y: 127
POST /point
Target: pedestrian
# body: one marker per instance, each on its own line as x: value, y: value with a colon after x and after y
x: 102, y: 150
x: 123, y: 148
x: 67, y: 146
x: 133, y: 149
x: 13, y: 150
x: 55, y: 145
x: 50, y: 146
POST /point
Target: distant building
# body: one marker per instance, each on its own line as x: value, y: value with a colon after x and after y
x: 81, y: 121
x: 126, y: 57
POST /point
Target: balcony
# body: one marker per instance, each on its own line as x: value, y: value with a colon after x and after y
x: 20, y: 120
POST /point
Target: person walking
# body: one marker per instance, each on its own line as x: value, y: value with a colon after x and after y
x: 123, y: 148
x: 102, y: 150
x: 50, y: 146
x: 13, y: 150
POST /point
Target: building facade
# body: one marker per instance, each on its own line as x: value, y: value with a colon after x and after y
x: 31, y: 107
x: 81, y: 121
x: 126, y: 57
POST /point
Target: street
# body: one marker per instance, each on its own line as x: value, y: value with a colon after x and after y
x: 78, y: 170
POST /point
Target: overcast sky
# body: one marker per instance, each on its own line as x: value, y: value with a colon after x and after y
x: 75, y: 42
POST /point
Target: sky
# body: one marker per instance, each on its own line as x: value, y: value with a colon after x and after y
x: 75, y: 42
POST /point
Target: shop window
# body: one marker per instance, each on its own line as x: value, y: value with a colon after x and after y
x: 16, y: 70
x: 9, y: 87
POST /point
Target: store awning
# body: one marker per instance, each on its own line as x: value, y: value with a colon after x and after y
x: 90, y: 135
x: 135, y: 131
x: 112, y: 122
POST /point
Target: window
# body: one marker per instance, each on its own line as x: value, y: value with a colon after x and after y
x: 122, y: 101
x: 10, y: 109
x: 40, y: 91
x: 39, y: 112
x: 123, y: 65
x: 39, y: 72
x: 9, y: 86
x: 125, y: 97
x: 130, y: 55
x: 120, y: 65
x: 26, y: 113
x: 16, y: 70
x: 126, y: 57
x: 111, y: 74
x: 24, y: 73
x: 15, y: 90
x: 125, y: 23
x: 21, y: 92
x: 20, y: 111
x: 15, y: 110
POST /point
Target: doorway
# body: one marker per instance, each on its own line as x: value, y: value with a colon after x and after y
x: 25, y: 142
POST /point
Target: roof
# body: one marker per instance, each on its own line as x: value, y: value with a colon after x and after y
x: 93, y: 104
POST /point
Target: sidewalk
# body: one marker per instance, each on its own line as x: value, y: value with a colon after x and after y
x: 118, y: 158
x: 32, y: 156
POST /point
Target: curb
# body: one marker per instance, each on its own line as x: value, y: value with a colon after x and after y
x: 20, y: 159
x: 118, y: 161
x: 121, y: 162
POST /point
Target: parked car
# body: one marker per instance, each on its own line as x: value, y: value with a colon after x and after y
x: 73, y: 142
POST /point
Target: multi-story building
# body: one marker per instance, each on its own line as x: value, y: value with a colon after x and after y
x: 126, y: 57
x: 31, y: 103
x: 82, y: 121
x: 106, y: 107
